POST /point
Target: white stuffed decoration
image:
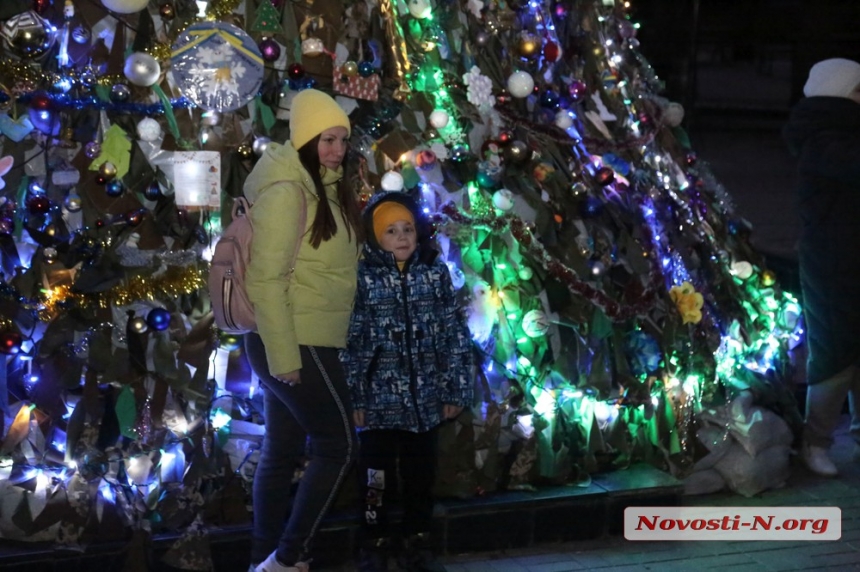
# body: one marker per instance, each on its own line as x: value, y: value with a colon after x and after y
x: 673, y: 115
x: 439, y: 119
x: 392, y: 181
x: 483, y: 312
x: 503, y: 199
x: 520, y: 84
x: 148, y: 129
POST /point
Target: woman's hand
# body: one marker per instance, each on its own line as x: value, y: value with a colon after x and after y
x: 291, y: 378
x: 451, y: 411
x: 358, y: 417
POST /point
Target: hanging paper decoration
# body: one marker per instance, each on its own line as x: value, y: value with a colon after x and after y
x: 197, y: 178
x: 217, y: 66
x: 268, y: 19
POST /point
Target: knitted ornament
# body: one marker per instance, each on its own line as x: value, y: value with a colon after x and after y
x: 835, y: 77
x: 387, y: 213
x: 311, y: 113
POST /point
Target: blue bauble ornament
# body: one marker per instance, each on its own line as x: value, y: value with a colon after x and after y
x: 591, y: 207
x: 152, y: 192
x: 549, y: 99
x: 158, y: 319
x: 485, y: 180
x: 114, y: 188
x: 366, y: 69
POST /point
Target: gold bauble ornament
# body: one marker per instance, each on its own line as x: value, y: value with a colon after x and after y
x: 768, y: 278
x: 349, y: 69
x: 138, y: 324
x: 166, y: 11
x: 529, y: 45
x: 598, y: 51
x: 107, y: 170
x: 245, y: 151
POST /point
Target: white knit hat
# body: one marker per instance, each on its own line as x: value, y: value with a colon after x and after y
x: 836, y: 77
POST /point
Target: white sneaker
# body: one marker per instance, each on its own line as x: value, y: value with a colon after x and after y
x: 271, y: 564
x: 817, y: 461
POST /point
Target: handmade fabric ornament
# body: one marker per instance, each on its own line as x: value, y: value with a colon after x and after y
x: 311, y: 113
x: 836, y: 77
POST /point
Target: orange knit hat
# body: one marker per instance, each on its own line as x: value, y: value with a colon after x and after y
x: 388, y: 212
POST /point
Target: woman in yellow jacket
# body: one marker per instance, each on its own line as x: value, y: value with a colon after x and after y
x: 302, y: 295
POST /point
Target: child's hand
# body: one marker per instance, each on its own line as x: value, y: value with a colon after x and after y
x: 451, y: 411
x: 358, y: 417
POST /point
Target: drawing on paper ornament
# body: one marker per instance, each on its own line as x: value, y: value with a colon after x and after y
x: 217, y: 66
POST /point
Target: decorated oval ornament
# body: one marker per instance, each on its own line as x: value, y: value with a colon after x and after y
x: 217, y: 66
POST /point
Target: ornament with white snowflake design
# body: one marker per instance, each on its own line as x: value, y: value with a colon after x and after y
x: 217, y: 66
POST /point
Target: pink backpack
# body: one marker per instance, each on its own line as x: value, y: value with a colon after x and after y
x: 233, y: 311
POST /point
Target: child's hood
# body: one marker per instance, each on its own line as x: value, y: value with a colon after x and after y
x: 814, y: 115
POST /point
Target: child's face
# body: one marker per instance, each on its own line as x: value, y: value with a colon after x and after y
x: 399, y: 238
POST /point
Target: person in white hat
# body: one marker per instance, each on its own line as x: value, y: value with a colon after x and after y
x: 823, y: 132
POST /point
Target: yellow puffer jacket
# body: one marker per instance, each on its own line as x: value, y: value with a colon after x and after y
x: 312, y: 305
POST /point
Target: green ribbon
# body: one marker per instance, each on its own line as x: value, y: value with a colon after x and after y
x: 266, y: 115
x: 168, y: 111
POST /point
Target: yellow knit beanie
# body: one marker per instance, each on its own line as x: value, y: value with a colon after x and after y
x: 386, y: 214
x: 311, y: 113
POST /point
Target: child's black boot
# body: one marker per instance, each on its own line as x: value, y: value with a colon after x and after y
x: 375, y: 554
x: 418, y: 554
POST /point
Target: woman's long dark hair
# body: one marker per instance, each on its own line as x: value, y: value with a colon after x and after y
x: 324, y: 226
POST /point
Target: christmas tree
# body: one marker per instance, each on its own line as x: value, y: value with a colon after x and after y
x: 611, y: 289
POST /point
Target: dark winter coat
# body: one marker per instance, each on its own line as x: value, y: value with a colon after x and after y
x: 824, y: 134
x: 408, y: 348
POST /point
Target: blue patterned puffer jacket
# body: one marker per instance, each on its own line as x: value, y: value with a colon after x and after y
x: 408, y: 348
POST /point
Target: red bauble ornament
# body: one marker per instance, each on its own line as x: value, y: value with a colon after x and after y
x: 296, y: 71
x: 691, y: 158
x: 10, y: 342
x: 38, y: 205
x: 577, y: 90
x: 41, y: 102
x: 134, y: 218
x: 551, y: 51
x: 505, y: 137
x: 604, y: 176
x: 40, y: 5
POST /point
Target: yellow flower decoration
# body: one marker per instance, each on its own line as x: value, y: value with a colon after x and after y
x: 688, y: 301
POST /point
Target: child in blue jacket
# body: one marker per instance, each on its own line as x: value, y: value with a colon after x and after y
x: 408, y: 363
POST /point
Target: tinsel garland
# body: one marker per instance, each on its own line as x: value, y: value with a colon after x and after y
x: 615, y: 311
x: 92, y: 102
x: 174, y: 282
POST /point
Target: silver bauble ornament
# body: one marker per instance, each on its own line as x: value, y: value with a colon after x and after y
x: 73, y: 202
x: 260, y: 145
x: 28, y: 35
x: 142, y: 69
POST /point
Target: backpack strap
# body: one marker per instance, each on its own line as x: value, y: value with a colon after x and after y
x: 242, y: 202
